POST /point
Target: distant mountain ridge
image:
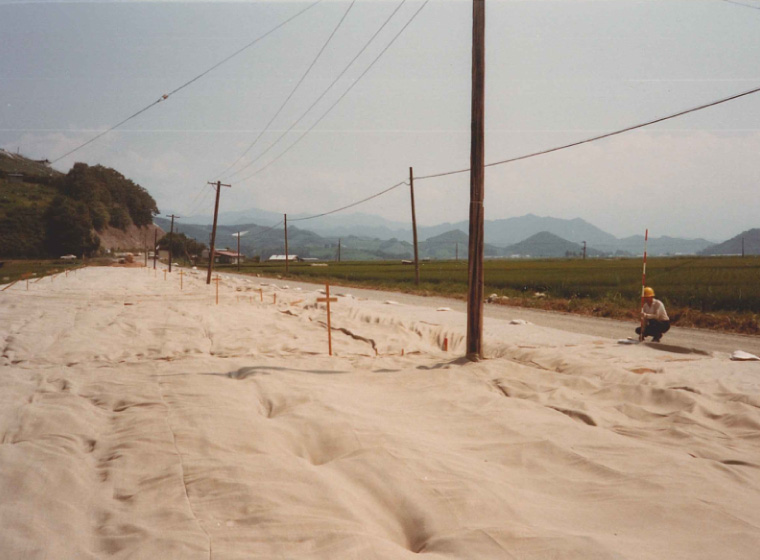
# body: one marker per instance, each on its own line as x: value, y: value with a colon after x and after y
x: 500, y: 233
x: 548, y: 245
x: 747, y: 243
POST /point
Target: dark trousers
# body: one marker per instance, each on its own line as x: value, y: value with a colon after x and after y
x: 654, y: 328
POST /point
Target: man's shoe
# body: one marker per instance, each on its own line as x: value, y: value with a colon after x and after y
x: 656, y: 338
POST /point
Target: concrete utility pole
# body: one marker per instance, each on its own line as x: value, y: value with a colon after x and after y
x: 171, y: 238
x: 477, y: 176
x: 211, y: 250
x: 286, y: 244
x: 414, y: 230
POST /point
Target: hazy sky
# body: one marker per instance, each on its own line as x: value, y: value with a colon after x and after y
x: 557, y: 72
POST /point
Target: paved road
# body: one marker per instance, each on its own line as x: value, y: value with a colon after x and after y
x: 700, y: 339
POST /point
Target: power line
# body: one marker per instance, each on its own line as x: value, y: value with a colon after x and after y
x: 313, y: 62
x: 600, y: 137
x: 742, y: 4
x: 342, y: 96
x: 338, y: 77
x: 197, y: 203
x: 350, y: 205
x: 199, y: 76
x: 674, y: 115
x: 262, y: 232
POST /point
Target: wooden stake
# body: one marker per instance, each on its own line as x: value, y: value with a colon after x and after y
x: 217, y: 288
x: 477, y: 176
x: 445, y: 344
x: 181, y: 274
x: 327, y: 299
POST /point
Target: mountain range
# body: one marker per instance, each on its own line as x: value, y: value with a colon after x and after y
x: 372, y: 236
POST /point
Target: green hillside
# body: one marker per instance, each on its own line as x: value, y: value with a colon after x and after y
x: 46, y: 213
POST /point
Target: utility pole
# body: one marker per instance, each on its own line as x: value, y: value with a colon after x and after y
x: 286, y: 244
x: 414, y: 230
x: 155, y: 247
x: 456, y: 251
x: 477, y: 176
x: 584, y: 250
x: 171, y: 239
x: 211, y: 251
x: 742, y: 247
x: 339, y: 249
x: 239, y: 235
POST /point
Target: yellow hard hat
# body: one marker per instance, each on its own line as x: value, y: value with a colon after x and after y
x: 648, y: 292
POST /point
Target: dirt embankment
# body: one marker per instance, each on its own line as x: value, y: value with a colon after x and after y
x: 132, y: 238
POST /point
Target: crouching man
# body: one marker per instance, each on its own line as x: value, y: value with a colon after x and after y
x: 655, y: 318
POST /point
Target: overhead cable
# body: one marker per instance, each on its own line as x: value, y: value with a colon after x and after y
x: 600, y: 137
x: 292, y: 92
x: 674, y: 115
x: 262, y: 232
x: 199, y: 76
x: 338, y: 77
x: 350, y: 205
x: 742, y: 4
x: 342, y: 96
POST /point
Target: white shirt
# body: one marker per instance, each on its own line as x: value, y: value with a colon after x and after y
x: 655, y: 310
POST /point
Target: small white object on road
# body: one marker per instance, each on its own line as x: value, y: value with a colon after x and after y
x: 742, y: 356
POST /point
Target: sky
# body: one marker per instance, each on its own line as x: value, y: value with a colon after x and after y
x: 556, y: 72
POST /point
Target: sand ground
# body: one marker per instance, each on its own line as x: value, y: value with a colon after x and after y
x: 138, y: 420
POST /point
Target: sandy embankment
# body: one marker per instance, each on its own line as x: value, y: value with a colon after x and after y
x: 141, y: 421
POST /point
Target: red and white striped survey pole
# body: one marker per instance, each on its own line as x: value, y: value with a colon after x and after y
x: 643, y: 285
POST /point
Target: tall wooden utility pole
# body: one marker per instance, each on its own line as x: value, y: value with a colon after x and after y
x: 477, y: 176
x: 171, y: 238
x: 414, y: 230
x: 286, y: 244
x: 211, y: 250
x: 155, y: 247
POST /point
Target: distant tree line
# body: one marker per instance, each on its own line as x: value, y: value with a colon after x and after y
x: 89, y: 199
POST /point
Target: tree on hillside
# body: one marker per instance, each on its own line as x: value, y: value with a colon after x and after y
x: 182, y: 245
x: 68, y: 228
x: 112, y: 199
x: 22, y: 233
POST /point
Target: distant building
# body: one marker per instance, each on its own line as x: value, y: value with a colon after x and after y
x: 228, y: 257
x: 282, y: 258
